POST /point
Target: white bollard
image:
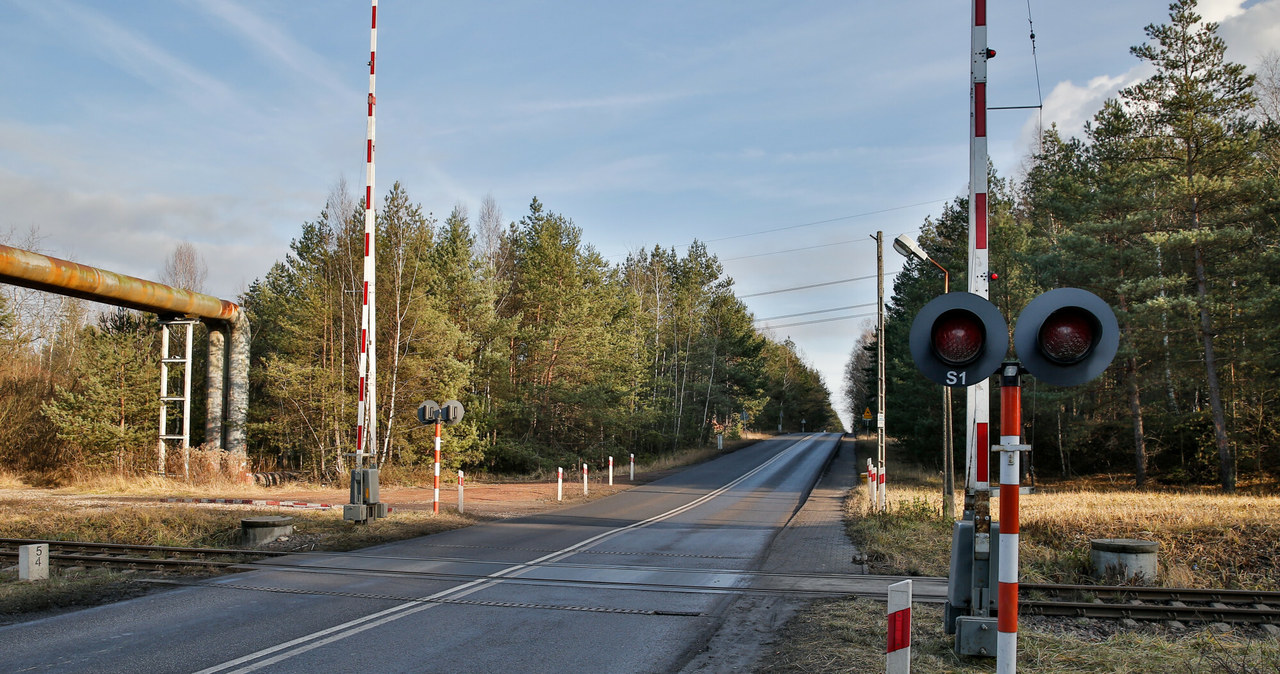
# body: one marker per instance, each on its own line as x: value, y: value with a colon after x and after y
x: 719, y: 441
x: 460, y: 510
x: 560, y: 484
x: 584, y: 479
x: 633, y: 467
x: 611, y: 471
x: 33, y: 561
x: 898, y: 658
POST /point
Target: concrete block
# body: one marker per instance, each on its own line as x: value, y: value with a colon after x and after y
x: 259, y: 530
x: 1128, y: 558
x: 33, y: 562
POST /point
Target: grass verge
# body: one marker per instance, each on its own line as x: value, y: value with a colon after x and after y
x: 849, y: 635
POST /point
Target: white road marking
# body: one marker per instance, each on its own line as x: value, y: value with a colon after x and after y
x: 329, y: 635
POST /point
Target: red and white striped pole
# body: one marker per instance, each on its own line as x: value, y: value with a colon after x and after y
x: 460, y: 510
x: 898, y: 656
x: 367, y: 363
x: 560, y: 484
x: 977, y: 407
x: 611, y: 471
x: 435, y: 502
x: 584, y: 479
x: 1010, y: 448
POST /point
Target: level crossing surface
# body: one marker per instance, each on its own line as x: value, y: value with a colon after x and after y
x: 630, y: 583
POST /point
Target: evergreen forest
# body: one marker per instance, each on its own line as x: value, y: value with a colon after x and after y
x: 1167, y: 209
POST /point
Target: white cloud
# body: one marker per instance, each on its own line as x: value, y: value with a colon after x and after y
x: 133, y: 235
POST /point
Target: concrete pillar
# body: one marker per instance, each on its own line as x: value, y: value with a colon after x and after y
x: 238, y: 385
x: 215, y: 382
x: 33, y: 562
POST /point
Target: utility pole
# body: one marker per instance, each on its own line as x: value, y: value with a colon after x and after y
x: 882, y: 505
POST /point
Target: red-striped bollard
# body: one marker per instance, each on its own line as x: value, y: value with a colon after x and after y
x: 460, y: 511
x: 435, y: 501
x: 560, y: 484
x: 611, y: 471
x: 871, y: 483
x: 884, y: 495
x: 898, y: 657
x: 1010, y: 448
x: 633, y: 467
x: 584, y: 479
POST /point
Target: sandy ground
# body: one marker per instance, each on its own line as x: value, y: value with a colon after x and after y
x: 498, y: 500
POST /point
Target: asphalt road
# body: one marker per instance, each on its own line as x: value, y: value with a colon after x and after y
x: 631, y: 583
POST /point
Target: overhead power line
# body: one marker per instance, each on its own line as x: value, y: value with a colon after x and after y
x: 820, y: 320
x: 823, y: 222
x: 819, y: 311
x: 812, y: 285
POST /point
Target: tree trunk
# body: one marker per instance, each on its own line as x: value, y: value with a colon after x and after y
x: 1139, y: 439
x: 1226, y: 464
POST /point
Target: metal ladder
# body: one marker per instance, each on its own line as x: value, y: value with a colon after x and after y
x: 166, y: 399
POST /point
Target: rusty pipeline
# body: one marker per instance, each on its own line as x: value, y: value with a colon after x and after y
x: 41, y: 272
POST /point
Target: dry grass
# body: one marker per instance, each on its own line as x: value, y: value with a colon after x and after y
x: 1206, y: 539
x: 849, y: 635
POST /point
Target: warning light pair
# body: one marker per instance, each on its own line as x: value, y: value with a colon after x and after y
x: 1064, y: 337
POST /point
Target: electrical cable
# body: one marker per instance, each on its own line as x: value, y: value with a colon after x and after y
x: 819, y: 311
x: 820, y: 320
x: 1036, y: 62
x: 813, y: 285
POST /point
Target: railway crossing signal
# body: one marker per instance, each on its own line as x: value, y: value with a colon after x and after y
x: 447, y: 414
x: 958, y: 339
x: 1064, y: 337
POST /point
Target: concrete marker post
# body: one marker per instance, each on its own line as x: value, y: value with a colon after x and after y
x: 460, y: 488
x: 584, y: 479
x: 560, y: 484
x: 898, y: 655
x: 611, y: 471
x: 33, y: 562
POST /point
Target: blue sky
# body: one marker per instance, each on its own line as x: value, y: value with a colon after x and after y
x: 128, y: 127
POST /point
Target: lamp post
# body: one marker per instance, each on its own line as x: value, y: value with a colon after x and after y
x: 908, y: 248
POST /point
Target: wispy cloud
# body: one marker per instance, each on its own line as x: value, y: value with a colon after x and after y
x: 281, y: 47
x: 616, y: 102
x: 131, y: 52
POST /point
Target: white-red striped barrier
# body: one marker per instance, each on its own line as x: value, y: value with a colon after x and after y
x: 257, y: 502
x: 367, y: 362
x: 560, y: 484
x: 584, y: 479
x: 898, y: 656
x: 611, y: 471
x: 460, y: 510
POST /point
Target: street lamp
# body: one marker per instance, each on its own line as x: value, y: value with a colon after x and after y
x: 908, y: 247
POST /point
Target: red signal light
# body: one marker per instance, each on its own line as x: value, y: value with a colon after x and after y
x: 958, y: 337
x: 1067, y: 335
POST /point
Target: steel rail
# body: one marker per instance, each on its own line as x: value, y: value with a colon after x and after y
x: 1220, y: 613
x: 65, y: 546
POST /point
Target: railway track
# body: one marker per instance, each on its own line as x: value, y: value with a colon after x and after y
x: 1103, y: 602
x: 144, y: 557
x: 1111, y: 602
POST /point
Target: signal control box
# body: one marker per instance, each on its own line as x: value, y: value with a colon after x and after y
x: 365, y: 503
